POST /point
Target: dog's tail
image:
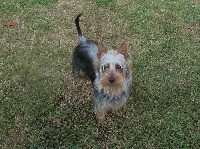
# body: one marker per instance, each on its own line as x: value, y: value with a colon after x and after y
x: 82, y: 38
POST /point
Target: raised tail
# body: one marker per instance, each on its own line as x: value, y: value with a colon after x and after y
x: 82, y: 38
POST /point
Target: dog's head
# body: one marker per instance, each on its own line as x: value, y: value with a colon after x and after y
x: 113, y: 68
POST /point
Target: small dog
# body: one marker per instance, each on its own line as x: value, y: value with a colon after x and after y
x: 109, y: 71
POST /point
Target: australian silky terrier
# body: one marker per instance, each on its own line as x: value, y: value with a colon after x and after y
x: 108, y: 70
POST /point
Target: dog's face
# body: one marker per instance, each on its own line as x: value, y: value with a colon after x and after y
x: 112, y: 68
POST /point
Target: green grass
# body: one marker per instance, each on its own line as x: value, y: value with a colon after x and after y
x: 43, y: 106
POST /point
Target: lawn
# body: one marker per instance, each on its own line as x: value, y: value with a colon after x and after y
x: 43, y: 106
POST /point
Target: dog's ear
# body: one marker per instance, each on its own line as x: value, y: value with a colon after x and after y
x: 123, y: 50
x: 101, y: 50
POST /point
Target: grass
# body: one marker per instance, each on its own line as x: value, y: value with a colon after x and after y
x: 43, y: 106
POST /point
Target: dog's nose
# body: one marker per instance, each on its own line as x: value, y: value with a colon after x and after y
x: 111, y: 79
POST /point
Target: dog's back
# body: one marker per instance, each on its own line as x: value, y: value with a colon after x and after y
x: 84, y: 55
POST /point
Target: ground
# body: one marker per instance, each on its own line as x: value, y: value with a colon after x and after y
x: 43, y: 106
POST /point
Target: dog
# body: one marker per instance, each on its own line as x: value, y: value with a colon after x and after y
x: 110, y: 72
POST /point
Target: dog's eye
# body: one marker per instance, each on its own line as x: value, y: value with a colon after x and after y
x: 106, y: 66
x: 118, y: 67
